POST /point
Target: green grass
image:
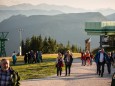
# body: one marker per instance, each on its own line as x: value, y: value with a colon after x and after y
x: 35, y: 70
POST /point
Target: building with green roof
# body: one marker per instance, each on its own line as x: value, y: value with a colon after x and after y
x: 106, y: 30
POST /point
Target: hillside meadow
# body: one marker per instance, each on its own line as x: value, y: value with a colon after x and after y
x: 36, y: 70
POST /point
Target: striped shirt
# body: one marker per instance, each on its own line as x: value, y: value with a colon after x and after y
x: 5, y: 79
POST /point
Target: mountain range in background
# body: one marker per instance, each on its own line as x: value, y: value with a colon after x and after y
x: 63, y: 28
x: 44, y: 9
x: 111, y: 17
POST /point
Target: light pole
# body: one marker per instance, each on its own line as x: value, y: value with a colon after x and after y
x: 20, y: 48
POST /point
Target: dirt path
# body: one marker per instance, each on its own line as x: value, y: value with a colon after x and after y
x: 80, y: 76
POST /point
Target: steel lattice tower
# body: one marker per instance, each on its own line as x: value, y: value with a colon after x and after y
x: 3, y: 38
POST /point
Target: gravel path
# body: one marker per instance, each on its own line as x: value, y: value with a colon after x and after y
x: 80, y: 76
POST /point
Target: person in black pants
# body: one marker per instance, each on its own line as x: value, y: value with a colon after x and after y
x: 68, y: 59
x: 101, y: 61
x: 59, y: 64
x: 96, y: 59
x: 109, y: 61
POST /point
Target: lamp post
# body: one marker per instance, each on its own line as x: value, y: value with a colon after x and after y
x: 20, y: 47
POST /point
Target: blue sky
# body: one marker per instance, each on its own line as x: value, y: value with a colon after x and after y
x: 86, y: 4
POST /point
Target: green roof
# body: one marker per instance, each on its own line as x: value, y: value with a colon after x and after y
x: 97, y: 28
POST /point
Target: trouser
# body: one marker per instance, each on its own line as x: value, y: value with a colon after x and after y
x: 29, y: 60
x: 59, y: 71
x: 67, y: 69
x: 41, y: 58
x: 109, y: 67
x: 83, y: 62
x: 101, y: 68
x: 14, y: 61
x: 97, y: 68
x: 91, y: 61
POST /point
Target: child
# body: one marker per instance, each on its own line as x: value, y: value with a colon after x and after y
x: 59, y: 64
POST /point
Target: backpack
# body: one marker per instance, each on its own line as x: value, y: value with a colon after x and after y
x: 15, y: 78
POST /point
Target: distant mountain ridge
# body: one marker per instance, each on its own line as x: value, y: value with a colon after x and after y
x: 4, y: 14
x: 44, y: 9
x: 111, y: 17
x: 63, y: 28
x: 43, y: 6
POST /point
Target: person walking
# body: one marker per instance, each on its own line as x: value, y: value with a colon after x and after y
x: 68, y: 59
x: 92, y: 57
x: 40, y: 56
x: 59, y: 64
x: 96, y: 59
x: 8, y: 76
x: 109, y: 61
x: 37, y: 57
x: 14, y: 58
x: 83, y: 58
x: 29, y: 58
x: 88, y: 58
x: 101, y: 57
x: 25, y: 58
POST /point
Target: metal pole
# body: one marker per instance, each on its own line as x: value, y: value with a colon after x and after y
x: 20, y: 48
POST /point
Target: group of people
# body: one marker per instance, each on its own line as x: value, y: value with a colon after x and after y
x: 68, y: 59
x: 101, y: 58
x: 86, y: 58
x: 30, y: 57
x: 9, y: 77
x: 33, y: 57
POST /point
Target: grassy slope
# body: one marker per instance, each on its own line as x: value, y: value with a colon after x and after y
x: 36, y: 70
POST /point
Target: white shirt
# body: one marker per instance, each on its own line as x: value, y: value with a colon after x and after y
x: 101, y: 57
x: 68, y: 59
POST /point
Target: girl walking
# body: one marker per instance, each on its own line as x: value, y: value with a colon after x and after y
x: 59, y: 64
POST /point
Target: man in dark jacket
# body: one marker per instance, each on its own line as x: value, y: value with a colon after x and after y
x: 100, y: 59
x: 8, y: 77
x: 68, y: 59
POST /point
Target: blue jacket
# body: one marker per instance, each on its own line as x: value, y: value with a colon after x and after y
x: 97, y: 57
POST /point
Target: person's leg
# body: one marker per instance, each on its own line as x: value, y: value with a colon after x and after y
x: 90, y: 61
x: 69, y: 68
x: 65, y: 70
x: 97, y: 65
x: 82, y: 62
x: 103, y: 65
x: 60, y: 71
x: 85, y: 62
x: 109, y: 68
x: 99, y: 68
x: 57, y: 71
